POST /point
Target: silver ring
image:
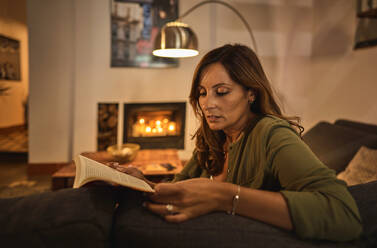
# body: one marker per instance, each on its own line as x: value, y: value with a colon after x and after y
x: 169, y: 208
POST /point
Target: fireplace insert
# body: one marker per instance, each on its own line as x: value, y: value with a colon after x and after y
x: 155, y: 125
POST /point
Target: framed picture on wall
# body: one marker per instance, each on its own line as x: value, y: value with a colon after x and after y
x: 9, y: 59
x: 134, y: 27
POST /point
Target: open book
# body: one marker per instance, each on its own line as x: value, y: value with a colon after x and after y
x: 88, y: 170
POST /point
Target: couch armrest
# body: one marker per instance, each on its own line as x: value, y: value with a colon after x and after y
x: 336, y: 145
x: 366, y: 199
x: 364, y: 127
x: 66, y: 218
x: 135, y: 226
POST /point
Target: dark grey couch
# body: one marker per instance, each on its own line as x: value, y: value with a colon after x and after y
x: 104, y: 216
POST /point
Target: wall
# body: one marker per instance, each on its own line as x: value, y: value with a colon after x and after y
x: 51, y: 29
x: 71, y: 73
x: 336, y: 81
x: 305, y: 47
x: 96, y: 81
x: 13, y: 25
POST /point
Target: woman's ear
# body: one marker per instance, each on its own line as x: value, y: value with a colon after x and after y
x: 250, y: 95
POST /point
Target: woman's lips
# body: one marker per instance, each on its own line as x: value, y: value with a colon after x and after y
x: 213, y: 118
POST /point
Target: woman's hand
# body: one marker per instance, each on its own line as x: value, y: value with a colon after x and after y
x: 130, y: 170
x: 187, y: 199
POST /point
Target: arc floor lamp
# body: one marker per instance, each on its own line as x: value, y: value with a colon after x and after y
x: 177, y: 40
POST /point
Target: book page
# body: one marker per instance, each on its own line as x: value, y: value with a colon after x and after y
x: 91, y: 170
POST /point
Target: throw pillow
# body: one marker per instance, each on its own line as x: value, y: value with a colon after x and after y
x: 362, y: 168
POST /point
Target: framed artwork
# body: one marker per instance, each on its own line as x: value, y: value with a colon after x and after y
x: 134, y: 27
x: 9, y: 59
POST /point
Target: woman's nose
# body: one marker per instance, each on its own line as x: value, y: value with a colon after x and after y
x: 208, y: 102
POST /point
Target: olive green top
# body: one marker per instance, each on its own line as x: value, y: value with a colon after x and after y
x: 273, y: 157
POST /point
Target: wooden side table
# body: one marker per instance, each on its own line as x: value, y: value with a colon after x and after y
x: 156, y: 165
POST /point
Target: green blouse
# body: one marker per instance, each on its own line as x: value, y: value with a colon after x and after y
x: 274, y: 158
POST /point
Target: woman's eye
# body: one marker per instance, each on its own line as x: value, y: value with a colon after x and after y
x: 202, y: 93
x: 222, y: 92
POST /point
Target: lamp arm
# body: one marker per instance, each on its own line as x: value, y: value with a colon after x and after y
x: 230, y: 7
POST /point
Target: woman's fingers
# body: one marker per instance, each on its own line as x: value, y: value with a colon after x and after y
x: 112, y: 164
x: 133, y: 171
x: 168, y: 188
x: 166, y: 192
x: 162, y: 209
x: 169, y: 211
x: 116, y: 166
x: 129, y: 170
x: 176, y: 218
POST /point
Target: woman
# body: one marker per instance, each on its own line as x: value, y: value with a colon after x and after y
x: 250, y: 159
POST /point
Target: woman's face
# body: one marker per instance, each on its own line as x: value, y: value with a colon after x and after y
x: 224, y: 103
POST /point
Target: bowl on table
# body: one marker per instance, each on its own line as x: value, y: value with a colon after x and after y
x: 124, y: 153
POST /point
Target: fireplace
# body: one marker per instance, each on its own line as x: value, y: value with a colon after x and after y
x: 155, y: 125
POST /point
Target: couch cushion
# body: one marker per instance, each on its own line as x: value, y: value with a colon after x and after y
x: 365, y: 196
x: 137, y: 227
x: 66, y: 218
x: 336, y: 145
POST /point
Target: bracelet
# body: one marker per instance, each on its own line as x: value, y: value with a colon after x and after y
x: 236, y: 199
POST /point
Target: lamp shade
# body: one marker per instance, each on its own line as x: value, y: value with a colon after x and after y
x: 176, y: 39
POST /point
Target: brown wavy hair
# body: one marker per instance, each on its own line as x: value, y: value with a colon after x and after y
x: 244, y: 68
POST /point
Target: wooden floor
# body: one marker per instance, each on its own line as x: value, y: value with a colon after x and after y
x: 14, y: 179
x: 14, y: 139
x: 13, y: 167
